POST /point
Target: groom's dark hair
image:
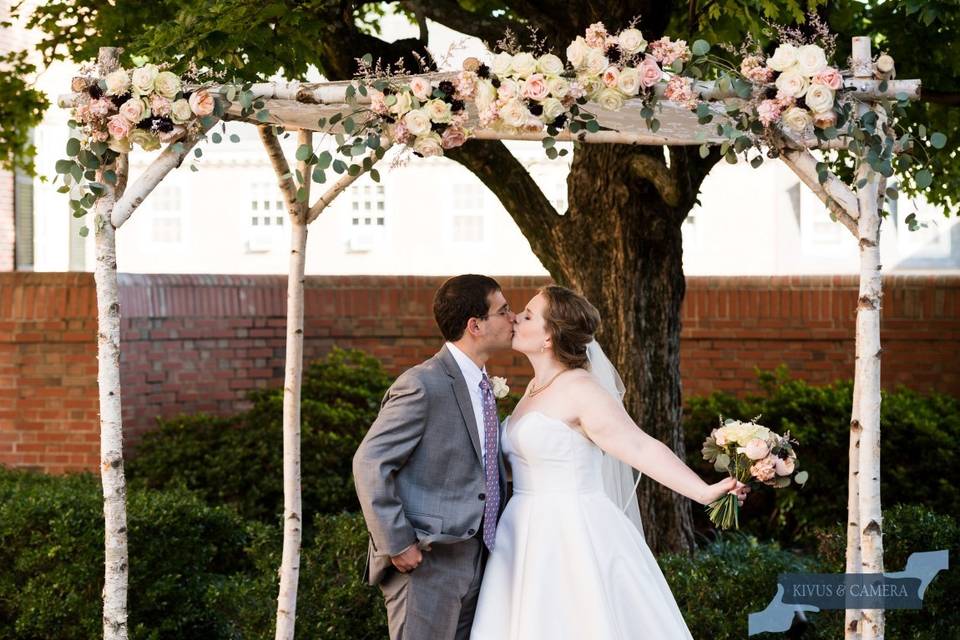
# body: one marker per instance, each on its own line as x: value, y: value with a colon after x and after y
x: 459, y: 299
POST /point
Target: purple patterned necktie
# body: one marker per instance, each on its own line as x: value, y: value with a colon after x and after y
x: 491, y: 428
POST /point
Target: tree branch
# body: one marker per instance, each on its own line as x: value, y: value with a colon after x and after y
x: 836, y: 195
x: 950, y: 98
x: 450, y: 14
x: 166, y: 162
x: 280, y: 165
x: 304, y: 137
x: 655, y: 172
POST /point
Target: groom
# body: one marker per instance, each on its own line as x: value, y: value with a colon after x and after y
x: 429, y: 472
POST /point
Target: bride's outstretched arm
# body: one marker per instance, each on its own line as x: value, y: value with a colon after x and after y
x: 606, y: 422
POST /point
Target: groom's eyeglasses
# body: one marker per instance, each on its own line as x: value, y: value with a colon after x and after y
x: 504, y: 312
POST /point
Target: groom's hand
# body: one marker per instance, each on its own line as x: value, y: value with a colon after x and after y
x: 408, y: 559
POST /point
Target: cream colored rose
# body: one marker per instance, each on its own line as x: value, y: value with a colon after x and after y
x: 500, y: 388
x: 590, y: 85
x: 596, y: 62
x: 552, y: 108
x: 577, y: 52
x: 167, y: 84
x: 783, y: 58
x: 421, y: 88
x: 429, y: 145
x: 133, y: 110
x: 514, y: 113
x: 792, y: 83
x: 202, y: 102
x: 403, y: 103
x: 143, y: 79
x: 610, y: 76
x: 120, y: 145
x: 180, y: 111
x: 417, y: 122
x: 784, y: 466
x: 118, y: 82
x: 797, y: 118
x: 629, y: 81
x: 558, y: 87
x: 811, y: 60
x: 502, y: 63
x: 438, y: 110
x: 146, y: 140
x: 486, y: 95
x: 757, y: 449
x: 610, y: 99
x: 631, y: 41
x: 550, y: 64
x: 825, y: 119
x: 819, y: 98
x: 508, y: 89
x: 524, y: 64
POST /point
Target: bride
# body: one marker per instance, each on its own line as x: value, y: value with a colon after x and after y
x: 569, y: 559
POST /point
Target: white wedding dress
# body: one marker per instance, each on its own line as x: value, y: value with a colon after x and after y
x: 567, y: 563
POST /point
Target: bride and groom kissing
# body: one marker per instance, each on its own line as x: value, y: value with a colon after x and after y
x: 527, y: 530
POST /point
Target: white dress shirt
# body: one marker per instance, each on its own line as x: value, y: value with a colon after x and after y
x: 472, y: 374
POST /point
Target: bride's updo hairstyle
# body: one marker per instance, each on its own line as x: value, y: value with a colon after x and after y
x: 571, y: 322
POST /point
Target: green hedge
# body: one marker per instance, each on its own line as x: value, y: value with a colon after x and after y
x: 920, y: 446
x: 239, y: 460
x: 51, y: 549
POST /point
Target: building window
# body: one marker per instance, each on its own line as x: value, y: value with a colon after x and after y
x: 368, y: 217
x: 165, y: 209
x: 467, y: 228
x: 266, y: 215
x: 23, y: 222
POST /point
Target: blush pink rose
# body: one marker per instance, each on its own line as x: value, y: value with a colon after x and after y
x: 119, y: 127
x: 453, y: 137
x: 611, y: 76
x: 784, y: 467
x: 769, y: 112
x: 100, y: 108
x: 829, y: 77
x: 757, y: 449
x: 650, y: 72
x: 535, y: 87
x: 132, y: 110
x: 201, y: 103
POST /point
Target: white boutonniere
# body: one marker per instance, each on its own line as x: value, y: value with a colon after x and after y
x: 500, y: 388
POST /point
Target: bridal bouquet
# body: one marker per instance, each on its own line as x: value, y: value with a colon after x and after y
x: 749, y: 452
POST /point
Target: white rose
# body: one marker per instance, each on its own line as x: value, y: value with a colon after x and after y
x: 180, y: 111
x: 486, y: 95
x: 559, y: 87
x: 792, y: 83
x: 438, y: 110
x: 502, y: 63
x: 811, y: 60
x: 577, y: 52
x: 403, y: 103
x: 590, y: 84
x: 783, y: 58
x: 500, y: 388
x: 167, y: 84
x: 514, y: 113
x: 524, y: 64
x: 143, y: 78
x: 417, y: 122
x: 631, y: 41
x: 118, y: 82
x: 551, y: 109
x: 629, y: 81
x: 428, y: 145
x: 797, y: 118
x: 550, y: 64
x: 610, y: 99
x: 596, y: 62
x: 819, y: 98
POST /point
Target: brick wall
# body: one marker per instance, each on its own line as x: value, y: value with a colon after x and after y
x: 200, y: 343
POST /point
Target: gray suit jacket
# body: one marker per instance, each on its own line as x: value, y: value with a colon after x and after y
x: 418, y: 471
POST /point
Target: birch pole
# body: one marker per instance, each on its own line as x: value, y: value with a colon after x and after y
x: 297, y: 199
x: 116, y: 567
x: 867, y: 372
